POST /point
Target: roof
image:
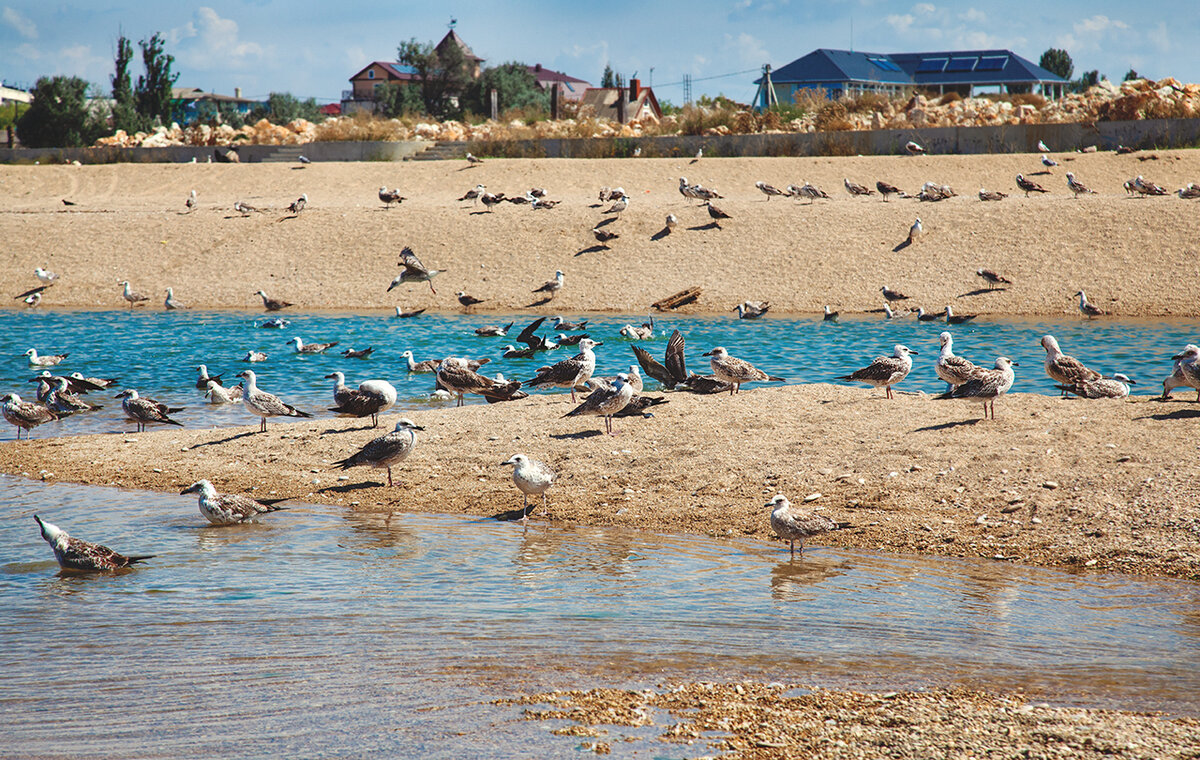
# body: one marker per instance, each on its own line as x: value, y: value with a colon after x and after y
x: 603, y: 101
x: 550, y: 75
x: 393, y: 69
x: 195, y: 93
x: 452, y: 38
x: 920, y: 69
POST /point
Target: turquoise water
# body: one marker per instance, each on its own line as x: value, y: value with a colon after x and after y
x: 157, y: 352
x: 321, y: 631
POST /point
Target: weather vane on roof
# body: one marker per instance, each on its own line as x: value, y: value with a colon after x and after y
x: 453, y: 22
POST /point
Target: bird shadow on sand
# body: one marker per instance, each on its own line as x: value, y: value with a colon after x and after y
x: 298, y: 168
x: 542, y: 302
x: 661, y: 234
x: 902, y: 246
x: 218, y: 441
x: 352, y: 487
x: 1039, y: 174
x: 946, y: 426
x: 334, y: 431
x: 709, y: 226
x: 606, y: 222
x: 477, y: 213
x: 981, y: 291
x: 579, y: 436
x: 592, y: 249
x: 468, y: 167
x: 1178, y: 414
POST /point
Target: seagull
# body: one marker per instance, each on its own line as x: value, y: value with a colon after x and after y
x: 129, y: 295
x: 992, y: 278
x: 456, y: 376
x: 170, y: 303
x: 1043, y: 147
x: 254, y: 356
x: 263, y: 404
x: 991, y: 195
x: 1029, y: 186
x: 512, y: 352
x: 954, y: 370
x: 84, y: 556
x: 562, y: 339
x: 619, y: 205
x: 603, y: 236
x: 730, y: 369
x: 229, y: 508
x: 218, y: 394
x: 146, y: 410
x: 747, y: 310
x: 25, y: 415
x: 1087, y: 308
x: 529, y: 337
x: 645, y: 332
x: 44, y: 361
x: 562, y: 324
x: 491, y: 199
x: 856, y: 189
x: 429, y: 365
x: 886, y: 189
x: 532, y: 478
x: 673, y: 220
x: 33, y: 300
x: 830, y: 316
x: 768, y: 190
x: 987, y: 385
x: 352, y: 353
x: 892, y: 295
x: 702, y: 193
x: 1187, y: 364
x: 637, y: 151
x: 492, y: 331
x: 885, y: 371
x: 310, y: 348
x: 474, y: 194
x: 540, y: 203
x: 916, y: 230
x: 408, y: 314
x: 1191, y: 192
x: 272, y: 304
x: 468, y: 301
x: 552, y: 287
x: 274, y: 323
x: 1077, y: 187
x: 472, y: 160
x: 952, y: 319
x: 303, y: 159
x: 298, y: 205
x: 390, y: 196
x: 673, y: 370
x: 699, y: 155
x: 1177, y: 378
x: 414, y: 271
x: 716, y: 214
x: 809, y: 191
x: 684, y: 189
x: 569, y: 373
x: 605, y: 401
x: 1116, y: 386
x: 887, y: 311
x: 245, y: 209
x: 191, y: 202
x: 86, y: 384
x: 923, y: 317
x: 45, y: 275
x: 1048, y: 162
x: 63, y: 402
x: 1146, y: 187
x: 371, y: 399
x: 1064, y: 369
x: 386, y: 451
x: 793, y: 526
x: 913, y: 148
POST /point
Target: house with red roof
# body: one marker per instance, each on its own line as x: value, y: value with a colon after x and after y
x: 571, y: 88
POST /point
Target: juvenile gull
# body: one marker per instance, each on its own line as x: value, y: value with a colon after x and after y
x: 272, y: 304
x: 456, y: 376
x: 569, y: 340
x: 492, y: 331
x: 1078, y: 188
x: 25, y: 415
x: 310, y: 348
x: 830, y: 315
x: 44, y: 361
x: 388, y: 197
x: 811, y: 192
x: 619, y: 205
x: 603, y: 236
x: 204, y: 377
x: 143, y: 411
x: 1088, y: 309
x: 1064, y: 369
x: 298, y: 205
x: 190, y: 203
x: 473, y: 194
x: 263, y: 404
x: 229, y: 508
x: 414, y: 270
x: 429, y: 365
x: 359, y: 353
x: 1029, y: 186
x: 792, y: 525
x: 923, y: 317
x: 84, y: 556
x: 532, y: 478
x: 991, y: 195
x: 716, y: 214
x: 491, y: 199
x: 673, y: 370
x: 953, y: 319
x: 129, y: 295
x: 992, y: 278
x: 892, y: 295
x: 954, y: 370
x: 386, y: 451
x: 1145, y: 187
x: 61, y: 401
x: 644, y: 332
x: 768, y: 190
x: 1116, y: 386
x: 885, y: 189
x: 400, y: 314
x: 1187, y: 364
x: 562, y: 324
x: 915, y: 231
x: 472, y: 160
x: 1191, y: 192
x: 218, y: 394
x: 1177, y: 379
x: 747, y: 310
x: 885, y: 371
x: 670, y: 223
x: 170, y: 304
x: 512, y: 352
x: 730, y: 369
x: 856, y: 189
x: 987, y: 385
x: 1048, y: 162
x: 468, y: 301
x: 552, y: 287
x: 274, y: 323
x: 913, y: 148
x: 569, y: 373
x: 371, y: 399
x: 605, y: 401
x: 81, y: 384
x: 254, y: 356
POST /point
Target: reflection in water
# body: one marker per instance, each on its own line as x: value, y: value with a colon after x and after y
x: 337, y: 625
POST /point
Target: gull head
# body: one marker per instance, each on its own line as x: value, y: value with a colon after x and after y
x: 520, y: 460
x: 558, y: 275
x: 51, y: 532
x: 1050, y: 343
x: 295, y: 342
x: 1190, y: 351
x: 1070, y: 176
x: 407, y: 354
x: 622, y: 379
x: 248, y: 375
x: 900, y: 351
x: 260, y: 293
x: 946, y: 339
x: 717, y: 353
x: 1003, y: 363
x: 779, y: 501
x: 587, y: 344
x: 31, y: 352
x: 203, y: 487
x: 341, y: 378
x: 1124, y: 378
x: 405, y: 423
x: 128, y: 393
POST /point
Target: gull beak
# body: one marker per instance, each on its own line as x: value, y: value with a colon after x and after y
x: 1131, y: 381
x: 1177, y: 357
x: 914, y: 353
x: 599, y: 343
x: 707, y: 353
x: 506, y: 461
x: 1015, y: 364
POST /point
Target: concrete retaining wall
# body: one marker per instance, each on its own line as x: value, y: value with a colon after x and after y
x: 249, y: 154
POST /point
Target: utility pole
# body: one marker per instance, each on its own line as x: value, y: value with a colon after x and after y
x: 766, y: 97
x: 687, y: 89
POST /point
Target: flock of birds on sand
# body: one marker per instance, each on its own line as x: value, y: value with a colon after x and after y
x: 608, y: 398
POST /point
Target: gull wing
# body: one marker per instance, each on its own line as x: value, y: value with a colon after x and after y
x: 652, y: 368
x: 411, y: 263
x: 674, y: 359
x: 527, y: 335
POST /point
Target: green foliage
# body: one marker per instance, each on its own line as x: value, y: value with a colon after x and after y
x: 516, y: 88
x: 720, y: 101
x: 394, y: 99
x: 1131, y: 75
x: 1057, y: 61
x: 283, y: 107
x: 1086, y: 80
x: 442, y: 76
x: 10, y: 114
x: 608, y: 79
x: 668, y: 108
x: 153, y: 94
x: 59, y: 116
x: 124, y: 110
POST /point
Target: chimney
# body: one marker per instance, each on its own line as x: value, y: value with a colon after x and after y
x: 635, y: 89
x: 237, y: 92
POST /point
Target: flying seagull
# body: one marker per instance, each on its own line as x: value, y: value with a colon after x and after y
x: 414, y: 271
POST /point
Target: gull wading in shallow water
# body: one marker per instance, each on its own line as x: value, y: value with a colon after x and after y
x: 84, y: 556
x: 734, y: 371
x: 885, y: 371
x: 25, y: 415
x: 1087, y: 308
x: 372, y: 398
x: 229, y: 508
x: 143, y: 411
x: 263, y: 404
x: 792, y: 525
x: 569, y: 373
x: 386, y: 451
x: 532, y: 478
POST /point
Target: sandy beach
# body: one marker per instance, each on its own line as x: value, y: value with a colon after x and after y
x: 341, y: 253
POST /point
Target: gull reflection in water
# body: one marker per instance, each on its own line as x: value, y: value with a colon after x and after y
x: 794, y: 581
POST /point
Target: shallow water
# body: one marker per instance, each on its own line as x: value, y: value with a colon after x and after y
x: 319, y: 630
x: 157, y: 352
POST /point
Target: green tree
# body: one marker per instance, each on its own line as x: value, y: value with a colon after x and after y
x: 394, y: 99
x: 283, y: 107
x: 1057, y: 61
x: 1086, y: 80
x: 442, y: 75
x: 153, y: 94
x: 1130, y: 75
x: 59, y: 116
x: 608, y: 79
x: 124, y: 112
x: 515, y: 87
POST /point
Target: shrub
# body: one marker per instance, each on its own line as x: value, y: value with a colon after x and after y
x: 59, y: 116
x: 832, y: 117
x: 948, y: 98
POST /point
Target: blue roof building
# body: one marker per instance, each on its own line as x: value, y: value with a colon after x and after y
x: 848, y: 73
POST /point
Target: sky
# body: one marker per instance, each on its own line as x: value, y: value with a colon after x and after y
x: 311, y: 48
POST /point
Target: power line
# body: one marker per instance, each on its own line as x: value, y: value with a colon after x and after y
x: 706, y: 79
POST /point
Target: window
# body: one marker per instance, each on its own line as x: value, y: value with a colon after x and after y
x: 992, y: 63
x: 884, y: 64
x: 370, y: 73
x: 962, y: 64
x: 931, y: 65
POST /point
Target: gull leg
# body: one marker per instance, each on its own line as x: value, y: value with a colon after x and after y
x: 573, y: 394
x: 389, y: 477
x: 792, y: 545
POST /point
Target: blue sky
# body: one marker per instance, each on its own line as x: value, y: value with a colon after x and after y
x: 311, y: 47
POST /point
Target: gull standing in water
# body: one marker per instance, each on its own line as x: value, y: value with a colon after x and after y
x: 229, y: 508
x: 386, y: 451
x: 793, y: 526
x: 987, y: 385
x: 429, y: 365
x: 414, y: 271
x: 44, y: 361
x: 730, y: 369
x: 171, y: 304
x: 605, y: 401
x: 77, y: 554
x: 885, y: 371
x: 953, y: 370
x: 532, y: 478
x: 1087, y: 308
x: 371, y: 399
x: 129, y: 295
x: 219, y: 394
x: 263, y: 404
x: 271, y: 304
x: 1063, y: 369
x: 143, y: 411
x: 749, y: 310
x: 25, y: 415
x: 569, y: 373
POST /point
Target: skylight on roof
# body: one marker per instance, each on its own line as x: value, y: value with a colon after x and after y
x: 962, y: 64
x: 992, y: 63
x: 884, y: 64
x: 931, y: 65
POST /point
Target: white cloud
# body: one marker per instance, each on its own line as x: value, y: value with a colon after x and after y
x: 902, y: 24
x: 925, y: 9
x: 22, y: 24
x: 973, y: 16
x: 1098, y: 25
x: 209, y: 42
x: 746, y: 48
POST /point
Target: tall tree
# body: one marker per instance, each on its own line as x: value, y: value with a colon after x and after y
x: 124, y: 110
x: 1131, y: 75
x: 515, y: 87
x: 442, y: 75
x: 608, y: 79
x: 59, y: 116
x: 153, y: 94
x: 1057, y: 61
